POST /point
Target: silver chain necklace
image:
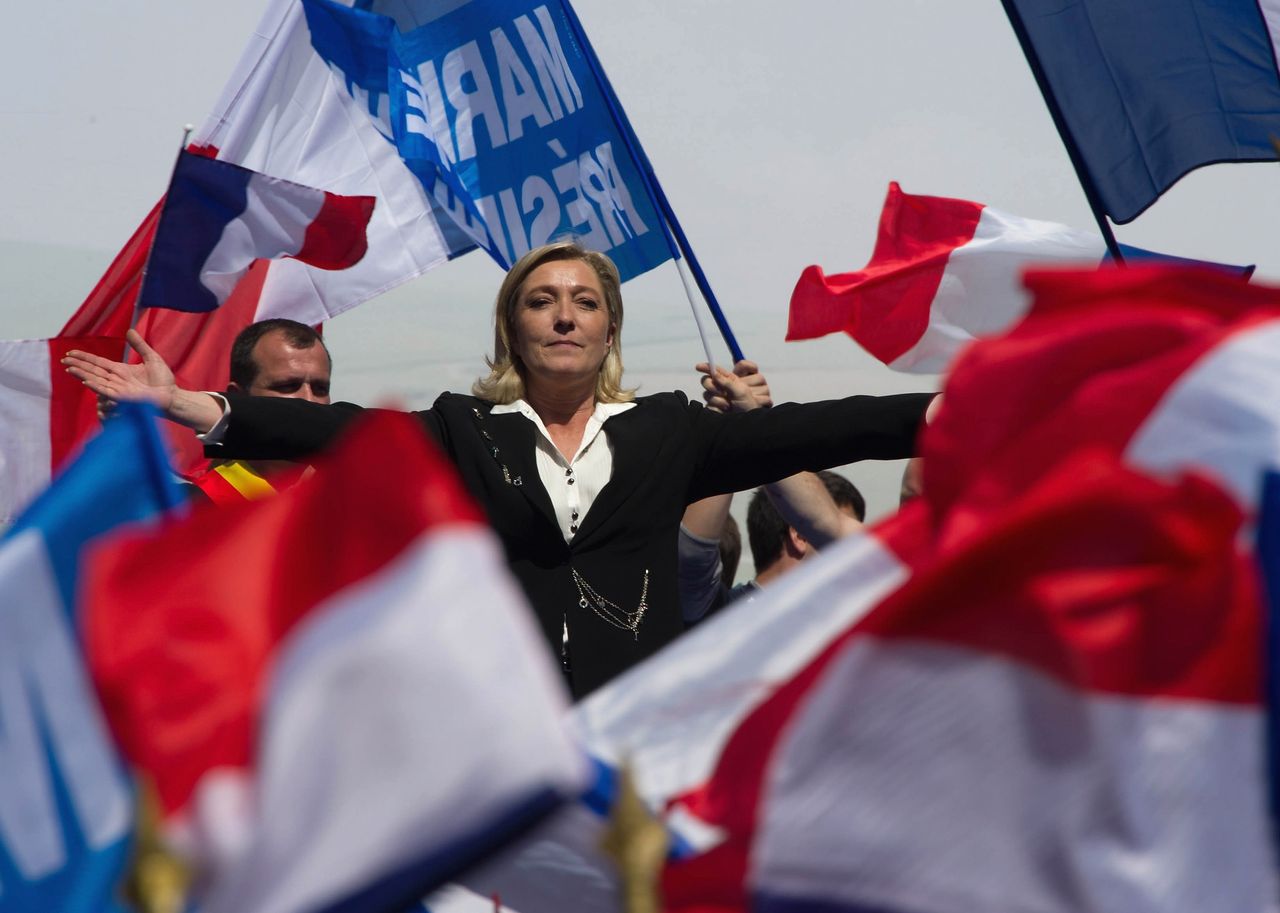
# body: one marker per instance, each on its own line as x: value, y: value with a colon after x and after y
x: 611, y: 612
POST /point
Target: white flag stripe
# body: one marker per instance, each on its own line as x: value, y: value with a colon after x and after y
x: 1221, y: 417
x: 274, y: 224
x: 560, y: 866
x: 981, y: 290
x: 25, y: 451
x: 51, y: 720
x: 1008, y: 791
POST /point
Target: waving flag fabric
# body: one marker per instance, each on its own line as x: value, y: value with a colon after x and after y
x: 44, y: 414
x: 218, y: 218
x: 943, y: 273
x: 66, y: 805
x: 1019, y: 726
x: 496, y: 108
x: 1146, y: 93
x: 1040, y: 686
x: 354, y: 699
x: 283, y: 113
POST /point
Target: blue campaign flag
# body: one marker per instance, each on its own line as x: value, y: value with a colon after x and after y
x: 494, y: 106
x: 66, y: 804
x: 1145, y: 92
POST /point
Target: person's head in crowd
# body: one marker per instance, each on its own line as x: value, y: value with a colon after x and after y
x: 557, y: 322
x: 730, y: 551
x: 912, y: 480
x: 776, y: 546
x: 281, y: 357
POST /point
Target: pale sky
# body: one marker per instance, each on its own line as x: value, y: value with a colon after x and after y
x: 774, y: 128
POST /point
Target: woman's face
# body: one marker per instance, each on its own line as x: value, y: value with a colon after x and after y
x: 562, y: 328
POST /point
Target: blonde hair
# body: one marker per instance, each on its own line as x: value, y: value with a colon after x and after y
x: 506, y: 382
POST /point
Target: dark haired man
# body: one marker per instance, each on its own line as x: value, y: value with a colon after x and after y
x: 280, y: 357
x: 829, y: 509
x: 276, y: 357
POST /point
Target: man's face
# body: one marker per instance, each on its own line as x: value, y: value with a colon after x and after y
x: 290, y: 372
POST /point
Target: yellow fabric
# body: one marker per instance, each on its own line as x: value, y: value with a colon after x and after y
x: 244, y: 480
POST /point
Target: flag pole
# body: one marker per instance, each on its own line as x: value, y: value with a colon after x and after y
x: 142, y: 277
x: 1055, y: 112
x: 653, y: 188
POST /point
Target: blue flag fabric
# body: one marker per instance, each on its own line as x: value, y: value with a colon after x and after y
x: 66, y: 805
x: 1146, y: 92
x: 495, y: 108
x: 1269, y: 561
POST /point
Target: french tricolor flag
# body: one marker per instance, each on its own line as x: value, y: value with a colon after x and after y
x: 943, y: 273
x: 219, y: 217
x: 339, y: 693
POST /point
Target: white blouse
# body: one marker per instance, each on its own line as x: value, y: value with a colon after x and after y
x: 572, y: 484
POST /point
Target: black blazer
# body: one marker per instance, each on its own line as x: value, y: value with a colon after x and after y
x: 668, y: 452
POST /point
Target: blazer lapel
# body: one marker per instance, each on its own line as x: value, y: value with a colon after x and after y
x: 513, y: 435
x: 632, y: 438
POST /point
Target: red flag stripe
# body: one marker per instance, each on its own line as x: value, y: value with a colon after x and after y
x: 73, y: 409
x: 916, y: 237
x: 337, y: 236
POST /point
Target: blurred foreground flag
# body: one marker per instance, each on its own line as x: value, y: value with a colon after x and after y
x: 66, y: 805
x: 943, y: 273
x: 338, y: 692
x: 1146, y: 92
x: 1021, y: 725
x: 44, y: 414
x: 1011, y: 722
x: 217, y: 218
x: 1037, y: 687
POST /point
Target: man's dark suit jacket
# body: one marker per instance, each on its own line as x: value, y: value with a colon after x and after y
x: 668, y: 452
